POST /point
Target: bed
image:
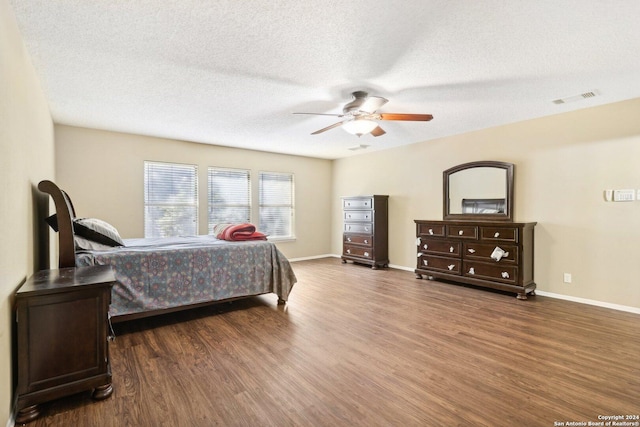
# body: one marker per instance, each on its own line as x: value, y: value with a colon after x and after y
x: 161, y: 275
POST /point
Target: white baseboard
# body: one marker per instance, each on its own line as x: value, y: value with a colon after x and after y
x: 596, y: 303
x: 311, y: 257
x: 589, y: 302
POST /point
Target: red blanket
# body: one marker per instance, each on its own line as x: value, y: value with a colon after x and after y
x: 238, y: 232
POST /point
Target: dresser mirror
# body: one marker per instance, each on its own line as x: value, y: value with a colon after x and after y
x: 478, y: 191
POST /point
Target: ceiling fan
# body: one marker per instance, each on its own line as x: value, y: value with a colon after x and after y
x: 360, y: 116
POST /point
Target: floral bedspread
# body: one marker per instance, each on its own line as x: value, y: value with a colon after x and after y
x: 170, y: 272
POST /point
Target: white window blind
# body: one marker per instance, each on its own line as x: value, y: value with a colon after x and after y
x: 170, y: 199
x: 276, y: 204
x: 229, y: 196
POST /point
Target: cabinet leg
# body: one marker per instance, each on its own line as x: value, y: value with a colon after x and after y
x: 344, y: 261
x: 102, y: 392
x: 27, y: 414
x: 374, y: 267
x: 418, y: 276
x: 522, y: 296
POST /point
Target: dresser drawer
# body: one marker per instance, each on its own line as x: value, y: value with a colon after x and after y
x: 358, y: 216
x: 482, y: 252
x: 357, y: 203
x: 436, y: 263
x: 496, y: 272
x: 354, y: 227
x: 462, y: 231
x: 356, y: 239
x: 503, y: 234
x: 431, y: 229
x: 439, y: 246
x: 358, y: 251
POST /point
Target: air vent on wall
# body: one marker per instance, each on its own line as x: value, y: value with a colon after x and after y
x: 574, y: 98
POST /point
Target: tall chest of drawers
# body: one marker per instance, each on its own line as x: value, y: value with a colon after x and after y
x: 365, y: 230
x: 490, y: 254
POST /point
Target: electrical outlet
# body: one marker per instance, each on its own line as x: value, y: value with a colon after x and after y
x: 567, y: 277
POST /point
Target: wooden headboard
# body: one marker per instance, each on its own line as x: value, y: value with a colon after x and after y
x: 65, y: 215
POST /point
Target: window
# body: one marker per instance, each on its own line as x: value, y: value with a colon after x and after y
x: 276, y: 204
x: 229, y: 196
x: 170, y: 199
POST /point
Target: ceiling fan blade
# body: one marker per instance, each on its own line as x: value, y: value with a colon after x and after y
x: 407, y: 117
x: 373, y: 103
x: 322, y: 114
x: 335, y: 125
x: 378, y: 131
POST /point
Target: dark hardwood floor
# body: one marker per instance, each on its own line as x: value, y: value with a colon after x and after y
x: 358, y: 347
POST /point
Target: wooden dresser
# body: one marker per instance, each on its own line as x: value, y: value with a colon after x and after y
x: 62, y: 328
x: 497, y: 255
x: 365, y: 230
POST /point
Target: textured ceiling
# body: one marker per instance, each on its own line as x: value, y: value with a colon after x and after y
x: 232, y: 72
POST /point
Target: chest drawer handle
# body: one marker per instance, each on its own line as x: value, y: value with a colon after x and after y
x: 418, y: 241
x: 472, y: 271
x: 425, y: 262
x: 471, y: 251
x: 366, y: 241
x: 451, y: 267
x: 431, y: 231
x: 451, y: 249
x: 497, y: 234
x: 505, y: 275
x: 366, y: 229
x: 348, y: 239
x: 348, y: 251
x: 426, y: 246
x: 420, y: 254
x: 366, y: 254
x: 460, y: 233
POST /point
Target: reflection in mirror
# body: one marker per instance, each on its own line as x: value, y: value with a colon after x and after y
x: 478, y: 190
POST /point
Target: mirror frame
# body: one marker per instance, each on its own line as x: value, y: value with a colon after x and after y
x: 507, y: 216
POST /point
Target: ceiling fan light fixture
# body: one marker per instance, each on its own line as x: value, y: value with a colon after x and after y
x: 359, y: 126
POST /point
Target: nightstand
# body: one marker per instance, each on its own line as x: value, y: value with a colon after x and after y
x: 62, y: 326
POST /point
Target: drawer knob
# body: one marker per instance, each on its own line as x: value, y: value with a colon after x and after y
x: 451, y: 267
x: 472, y: 271
x: 497, y: 234
x: 348, y: 239
x: 366, y: 241
x: 425, y: 262
x: 460, y: 233
x: 366, y: 254
x: 451, y: 249
x: 420, y: 254
x: 418, y: 241
x: 425, y: 246
x: 366, y: 229
x: 471, y: 251
x: 505, y: 275
x: 431, y: 231
x: 348, y: 251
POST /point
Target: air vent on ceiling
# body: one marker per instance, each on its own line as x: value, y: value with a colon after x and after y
x: 574, y: 98
x: 359, y: 147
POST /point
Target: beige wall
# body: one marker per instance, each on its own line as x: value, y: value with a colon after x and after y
x: 26, y: 157
x: 103, y: 173
x: 563, y: 164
